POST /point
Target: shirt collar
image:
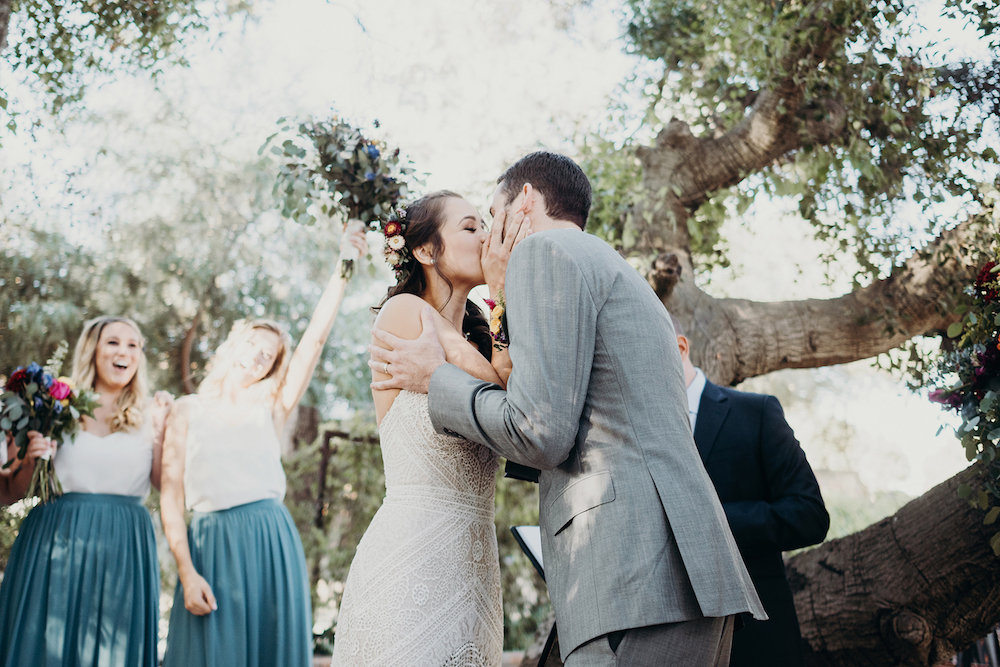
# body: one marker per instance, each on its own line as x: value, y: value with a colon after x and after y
x: 694, y: 390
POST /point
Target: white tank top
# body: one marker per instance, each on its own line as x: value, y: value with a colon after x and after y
x: 233, y: 456
x: 118, y: 463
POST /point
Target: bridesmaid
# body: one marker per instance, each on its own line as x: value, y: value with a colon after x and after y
x: 243, y: 598
x: 82, y: 585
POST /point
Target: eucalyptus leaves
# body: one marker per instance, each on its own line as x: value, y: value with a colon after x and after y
x: 975, y: 395
x: 332, y: 166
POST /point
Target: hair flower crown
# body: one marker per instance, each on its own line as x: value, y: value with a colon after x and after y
x: 397, y: 255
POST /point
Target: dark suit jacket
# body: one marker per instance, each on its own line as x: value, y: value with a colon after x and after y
x: 773, y: 503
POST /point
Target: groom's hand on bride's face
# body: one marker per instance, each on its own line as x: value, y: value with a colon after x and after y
x: 408, y: 363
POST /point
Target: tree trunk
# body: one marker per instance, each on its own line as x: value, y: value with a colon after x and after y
x: 4, y: 23
x: 909, y: 590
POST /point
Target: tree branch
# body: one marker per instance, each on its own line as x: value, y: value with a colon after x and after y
x: 735, y: 339
x: 4, y: 23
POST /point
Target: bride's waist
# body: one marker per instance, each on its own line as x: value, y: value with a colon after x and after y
x: 440, y: 499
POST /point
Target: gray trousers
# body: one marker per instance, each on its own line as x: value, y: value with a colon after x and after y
x: 703, y: 642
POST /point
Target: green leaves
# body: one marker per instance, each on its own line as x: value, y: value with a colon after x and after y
x: 329, y: 165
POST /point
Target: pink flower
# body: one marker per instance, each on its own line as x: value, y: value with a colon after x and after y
x: 60, y: 390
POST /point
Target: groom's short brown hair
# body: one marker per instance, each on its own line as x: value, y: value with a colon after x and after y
x: 560, y: 180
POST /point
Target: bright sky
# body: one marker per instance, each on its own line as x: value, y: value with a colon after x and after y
x: 465, y: 87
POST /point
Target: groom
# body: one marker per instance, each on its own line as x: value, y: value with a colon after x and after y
x: 639, y: 560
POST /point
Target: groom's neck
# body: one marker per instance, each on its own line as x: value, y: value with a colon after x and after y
x: 547, y: 223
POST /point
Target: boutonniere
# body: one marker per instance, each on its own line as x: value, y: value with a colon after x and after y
x: 498, y: 321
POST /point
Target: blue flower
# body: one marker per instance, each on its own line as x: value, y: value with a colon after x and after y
x: 369, y: 175
x: 57, y: 406
x: 38, y: 402
x: 47, y: 380
x: 372, y: 151
x: 33, y: 368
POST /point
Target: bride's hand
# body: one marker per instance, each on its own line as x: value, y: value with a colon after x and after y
x: 499, y: 244
x: 198, y: 597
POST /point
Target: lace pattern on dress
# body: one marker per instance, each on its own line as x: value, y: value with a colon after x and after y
x: 424, y: 587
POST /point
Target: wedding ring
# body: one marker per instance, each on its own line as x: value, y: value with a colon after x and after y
x: 385, y: 368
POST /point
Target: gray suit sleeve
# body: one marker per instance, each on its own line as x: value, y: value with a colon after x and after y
x: 552, y: 321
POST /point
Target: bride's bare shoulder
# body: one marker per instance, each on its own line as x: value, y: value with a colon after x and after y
x: 400, y: 316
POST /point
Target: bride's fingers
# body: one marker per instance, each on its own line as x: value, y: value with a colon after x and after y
x: 496, y: 230
x: 513, y: 229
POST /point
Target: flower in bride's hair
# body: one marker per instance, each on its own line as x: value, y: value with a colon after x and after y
x: 392, y: 228
x: 392, y: 258
x: 396, y: 242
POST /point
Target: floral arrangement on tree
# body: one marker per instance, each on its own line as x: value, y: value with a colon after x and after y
x: 969, y: 383
x: 35, y: 400
x: 342, y: 170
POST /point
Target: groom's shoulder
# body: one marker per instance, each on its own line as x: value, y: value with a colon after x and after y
x: 571, y: 244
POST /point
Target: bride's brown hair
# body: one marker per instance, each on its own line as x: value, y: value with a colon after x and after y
x: 421, y: 223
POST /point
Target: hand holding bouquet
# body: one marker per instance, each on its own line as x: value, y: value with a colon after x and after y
x: 34, y: 400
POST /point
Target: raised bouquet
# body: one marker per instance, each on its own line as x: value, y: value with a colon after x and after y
x: 35, y: 400
x: 969, y: 383
x: 341, y: 170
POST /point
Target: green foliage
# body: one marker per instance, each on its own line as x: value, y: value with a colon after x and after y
x: 62, y: 45
x: 883, y: 132
x: 364, y: 178
x: 968, y: 381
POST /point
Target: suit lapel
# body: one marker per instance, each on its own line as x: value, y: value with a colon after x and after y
x: 711, y: 413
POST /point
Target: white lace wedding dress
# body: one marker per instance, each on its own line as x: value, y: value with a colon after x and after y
x: 424, y: 587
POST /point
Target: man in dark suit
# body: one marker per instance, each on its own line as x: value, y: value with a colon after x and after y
x: 770, y: 497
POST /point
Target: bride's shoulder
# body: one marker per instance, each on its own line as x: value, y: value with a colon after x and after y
x: 400, y: 315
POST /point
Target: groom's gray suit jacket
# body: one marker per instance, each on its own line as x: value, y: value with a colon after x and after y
x: 632, y: 531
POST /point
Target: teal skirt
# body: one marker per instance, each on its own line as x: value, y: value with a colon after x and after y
x: 82, y: 586
x: 252, y: 557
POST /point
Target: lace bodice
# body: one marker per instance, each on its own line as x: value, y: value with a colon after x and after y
x: 415, y: 456
x: 424, y: 587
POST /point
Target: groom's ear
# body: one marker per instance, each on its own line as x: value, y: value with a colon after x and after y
x: 527, y: 198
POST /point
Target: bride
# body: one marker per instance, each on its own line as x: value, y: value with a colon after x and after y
x: 424, y: 586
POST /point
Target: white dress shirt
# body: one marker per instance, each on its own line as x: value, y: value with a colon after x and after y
x: 694, y: 396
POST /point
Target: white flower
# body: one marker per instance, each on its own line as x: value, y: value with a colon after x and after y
x: 396, y: 242
x: 392, y: 258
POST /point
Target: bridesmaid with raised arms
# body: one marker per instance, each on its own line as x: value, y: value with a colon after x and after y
x: 243, y: 598
x: 82, y: 585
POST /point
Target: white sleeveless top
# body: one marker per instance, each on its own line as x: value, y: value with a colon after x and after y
x: 117, y: 464
x: 233, y: 456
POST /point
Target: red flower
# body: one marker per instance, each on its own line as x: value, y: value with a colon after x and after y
x: 17, y: 381
x: 392, y: 228
x: 983, y: 290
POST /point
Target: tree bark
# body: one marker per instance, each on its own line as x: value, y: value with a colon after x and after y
x: 735, y: 339
x: 4, y: 23
x: 187, y: 377
x: 910, y: 590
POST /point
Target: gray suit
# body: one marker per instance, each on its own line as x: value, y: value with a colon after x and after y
x: 632, y: 531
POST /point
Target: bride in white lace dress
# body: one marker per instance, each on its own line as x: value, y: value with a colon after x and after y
x: 424, y: 587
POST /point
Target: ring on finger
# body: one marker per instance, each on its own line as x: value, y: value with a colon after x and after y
x: 385, y: 368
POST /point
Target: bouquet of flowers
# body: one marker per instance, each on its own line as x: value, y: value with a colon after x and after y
x: 364, y: 178
x: 34, y: 400
x: 970, y: 375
